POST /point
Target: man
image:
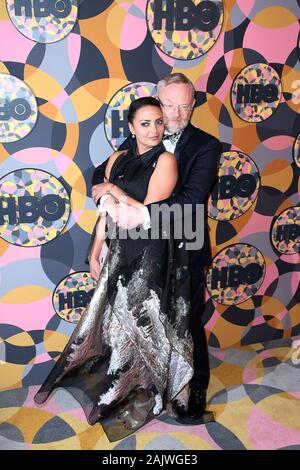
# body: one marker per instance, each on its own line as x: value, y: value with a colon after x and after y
x: 197, y: 154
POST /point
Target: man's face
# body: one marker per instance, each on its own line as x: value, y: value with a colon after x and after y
x: 177, y: 102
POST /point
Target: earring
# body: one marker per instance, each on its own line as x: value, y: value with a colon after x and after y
x: 133, y: 136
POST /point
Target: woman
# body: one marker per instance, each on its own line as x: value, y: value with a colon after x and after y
x: 130, y: 355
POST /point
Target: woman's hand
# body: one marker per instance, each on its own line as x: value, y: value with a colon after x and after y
x: 94, y: 268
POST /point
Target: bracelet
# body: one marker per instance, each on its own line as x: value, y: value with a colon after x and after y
x: 114, y: 197
x: 102, y: 199
x: 110, y: 188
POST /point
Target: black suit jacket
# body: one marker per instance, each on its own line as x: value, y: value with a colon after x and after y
x: 197, y: 153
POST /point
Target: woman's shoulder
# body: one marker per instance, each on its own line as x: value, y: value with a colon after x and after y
x: 166, y: 158
x: 166, y: 163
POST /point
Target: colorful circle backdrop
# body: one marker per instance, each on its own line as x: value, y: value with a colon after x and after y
x: 37, y: 207
x: 185, y: 30
x: 18, y: 111
x: 256, y: 92
x: 236, y: 274
x: 285, y: 233
x: 72, y: 296
x: 78, y: 66
x: 236, y: 188
x: 296, y: 151
x: 43, y: 21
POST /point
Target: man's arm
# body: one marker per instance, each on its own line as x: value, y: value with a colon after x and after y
x: 161, y: 185
x: 201, y: 177
x: 194, y: 190
x: 96, y: 247
x: 98, y: 175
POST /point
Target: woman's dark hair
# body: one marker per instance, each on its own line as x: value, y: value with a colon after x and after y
x: 140, y: 103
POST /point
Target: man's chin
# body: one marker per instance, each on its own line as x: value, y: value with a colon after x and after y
x: 173, y: 129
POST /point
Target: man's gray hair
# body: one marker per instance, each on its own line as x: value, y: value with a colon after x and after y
x: 175, y: 78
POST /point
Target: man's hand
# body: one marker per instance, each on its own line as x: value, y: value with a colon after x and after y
x: 111, y: 208
x: 128, y: 217
x: 98, y: 190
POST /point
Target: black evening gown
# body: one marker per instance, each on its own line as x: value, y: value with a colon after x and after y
x: 130, y: 356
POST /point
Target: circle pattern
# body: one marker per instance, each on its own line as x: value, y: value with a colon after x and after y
x: 296, y: 151
x: 18, y: 109
x: 72, y: 296
x: 35, y: 207
x: 73, y: 81
x: 285, y: 232
x: 256, y: 92
x: 236, y: 188
x: 185, y: 30
x: 236, y: 274
x: 43, y: 21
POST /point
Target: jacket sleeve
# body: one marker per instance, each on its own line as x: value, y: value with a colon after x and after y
x: 99, y: 173
x: 201, y: 176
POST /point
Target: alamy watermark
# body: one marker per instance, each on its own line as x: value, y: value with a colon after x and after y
x: 180, y: 222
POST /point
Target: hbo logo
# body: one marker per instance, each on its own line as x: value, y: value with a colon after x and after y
x: 42, y: 8
x: 228, y: 187
x: 19, y: 109
x: 185, y: 15
x: 288, y: 232
x: 119, y: 124
x: 257, y: 93
x: 74, y: 299
x: 233, y: 276
x: 27, y: 209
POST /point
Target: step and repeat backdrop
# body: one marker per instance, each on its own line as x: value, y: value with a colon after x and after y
x: 68, y: 72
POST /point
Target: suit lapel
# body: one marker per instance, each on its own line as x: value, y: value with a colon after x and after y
x: 183, y: 141
x: 181, y: 150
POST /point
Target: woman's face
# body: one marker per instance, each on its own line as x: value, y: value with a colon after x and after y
x: 148, y: 127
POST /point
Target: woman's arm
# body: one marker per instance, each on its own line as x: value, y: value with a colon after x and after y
x: 99, y: 230
x: 161, y: 184
x: 94, y: 255
x: 120, y: 196
x: 163, y: 180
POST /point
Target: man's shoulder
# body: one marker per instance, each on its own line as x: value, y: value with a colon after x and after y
x: 199, y: 135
